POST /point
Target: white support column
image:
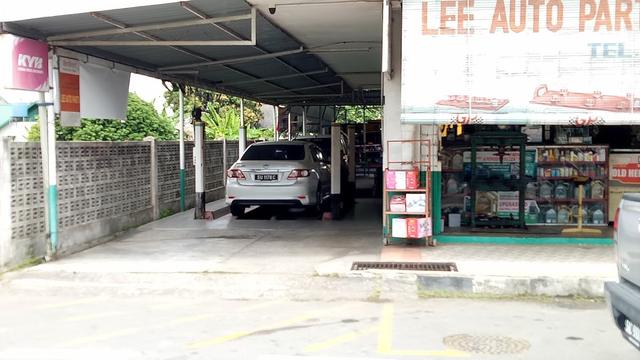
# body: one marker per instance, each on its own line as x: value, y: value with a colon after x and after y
x: 44, y: 155
x: 304, y: 121
x: 242, y: 142
x: 198, y: 158
x: 182, y: 164
x: 351, y: 160
x: 336, y: 191
x: 289, y: 125
x: 276, y: 133
x: 52, y: 168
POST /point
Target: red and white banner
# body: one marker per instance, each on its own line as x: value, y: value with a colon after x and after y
x: 27, y: 65
x: 69, y: 82
x: 625, y: 168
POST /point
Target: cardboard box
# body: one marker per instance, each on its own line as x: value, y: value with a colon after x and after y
x: 397, y: 203
x: 412, y: 228
x: 390, y: 179
x: 424, y: 227
x: 413, y: 181
x: 399, y: 228
x: 401, y: 180
x: 416, y: 203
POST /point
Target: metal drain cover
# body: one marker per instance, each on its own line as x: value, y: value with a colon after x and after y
x: 486, y: 344
x: 415, y: 266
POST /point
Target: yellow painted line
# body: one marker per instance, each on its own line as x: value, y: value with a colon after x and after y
x: 385, y: 329
x: 241, y: 334
x: 69, y: 303
x: 385, y: 340
x: 195, y: 318
x: 182, y: 320
x: 339, y: 340
x: 102, y: 337
x: 93, y: 316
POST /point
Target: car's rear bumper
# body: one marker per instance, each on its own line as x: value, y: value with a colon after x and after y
x: 624, y: 300
x: 302, y: 193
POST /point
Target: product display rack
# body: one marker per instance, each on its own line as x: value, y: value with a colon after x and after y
x: 591, y: 161
x: 421, y: 148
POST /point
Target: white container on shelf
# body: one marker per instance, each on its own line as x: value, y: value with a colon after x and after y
x: 454, y: 220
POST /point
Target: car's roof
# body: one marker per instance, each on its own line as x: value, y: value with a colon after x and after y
x: 281, y: 142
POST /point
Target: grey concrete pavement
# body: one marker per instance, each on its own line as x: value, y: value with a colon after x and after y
x: 205, y: 327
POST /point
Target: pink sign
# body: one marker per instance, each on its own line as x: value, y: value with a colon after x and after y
x: 30, y: 65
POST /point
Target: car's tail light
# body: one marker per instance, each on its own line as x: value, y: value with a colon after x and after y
x: 298, y: 173
x: 235, y: 174
x: 615, y: 220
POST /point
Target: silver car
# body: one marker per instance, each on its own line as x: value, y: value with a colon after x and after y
x: 290, y: 173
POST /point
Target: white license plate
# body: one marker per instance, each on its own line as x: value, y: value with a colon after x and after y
x: 632, y: 330
x: 266, y: 177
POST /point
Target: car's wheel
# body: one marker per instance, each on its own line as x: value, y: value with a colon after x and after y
x: 317, y: 207
x: 237, y: 210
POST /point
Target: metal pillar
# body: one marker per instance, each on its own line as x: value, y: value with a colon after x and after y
x: 351, y: 159
x: 242, y: 142
x: 49, y: 167
x: 304, y: 121
x: 336, y: 161
x: 198, y: 159
x: 276, y: 133
x: 182, y: 167
x: 289, y: 125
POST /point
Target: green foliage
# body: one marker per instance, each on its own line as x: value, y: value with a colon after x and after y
x: 216, y: 102
x: 354, y: 114
x: 222, y: 124
x: 142, y: 121
x: 260, y: 134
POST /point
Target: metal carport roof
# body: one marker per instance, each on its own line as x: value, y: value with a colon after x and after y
x: 253, y: 71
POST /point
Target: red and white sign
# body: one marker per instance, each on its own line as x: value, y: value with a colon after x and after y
x: 28, y: 67
x: 625, y: 168
x: 69, y: 82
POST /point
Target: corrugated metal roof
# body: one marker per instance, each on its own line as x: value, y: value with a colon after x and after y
x: 152, y: 58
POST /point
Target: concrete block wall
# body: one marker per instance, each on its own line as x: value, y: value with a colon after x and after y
x: 104, y: 188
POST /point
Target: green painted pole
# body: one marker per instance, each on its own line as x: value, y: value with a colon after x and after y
x: 182, y: 170
x: 436, y: 196
x: 53, y: 216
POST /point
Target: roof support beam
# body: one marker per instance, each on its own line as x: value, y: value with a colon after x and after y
x: 340, y: 83
x: 242, y: 82
x: 300, y: 96
x: 202, y: 15
x: 235, y: 60
x: 151, y: 43
x: 151, y: 27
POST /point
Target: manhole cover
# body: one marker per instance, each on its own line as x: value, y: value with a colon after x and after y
x: 415, y: 266
x: 486, y: 344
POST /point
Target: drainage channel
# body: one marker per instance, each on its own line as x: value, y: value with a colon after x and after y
x: 415, y: 266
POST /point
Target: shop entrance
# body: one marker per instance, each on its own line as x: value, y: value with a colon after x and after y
x: 485, y: 197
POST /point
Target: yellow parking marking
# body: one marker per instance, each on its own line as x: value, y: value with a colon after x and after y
x: 179, y: 321
x: 241, y: 334
x: 339, y: 340
x: 93, y: 316
x: 385, y: 329
x: 101, y: 337
x: 69, y: 303
x: 385, y: 339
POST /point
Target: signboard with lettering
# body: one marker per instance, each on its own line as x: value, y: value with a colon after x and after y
x: 567, y: 62
x: 25, y: 63
x: 69, y: 82
x: 625, y: 168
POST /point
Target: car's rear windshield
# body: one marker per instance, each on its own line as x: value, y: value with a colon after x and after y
x: 274, y: 152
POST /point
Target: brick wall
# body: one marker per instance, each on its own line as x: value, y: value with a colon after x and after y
x: 104, y: 188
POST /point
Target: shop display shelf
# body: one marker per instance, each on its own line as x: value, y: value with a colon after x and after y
x: 570, y: 177
x: 568, y: 162
x: 573, y: 201
x: 419, y: 190
x: 389, y: 212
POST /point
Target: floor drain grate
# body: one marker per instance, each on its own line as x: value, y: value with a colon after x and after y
x: 415, y: 266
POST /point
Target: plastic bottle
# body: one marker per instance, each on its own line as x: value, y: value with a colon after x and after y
x: 550, y: 217
x: 598, y: 216
x: 563, y: 215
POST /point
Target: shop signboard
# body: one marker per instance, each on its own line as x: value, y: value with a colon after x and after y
x: 489, y: 166
x: 625, y: 169
x: 24, y: 63
x: 69, y: 82
x: 564, y: 62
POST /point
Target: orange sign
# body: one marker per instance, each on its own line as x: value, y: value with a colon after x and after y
x: 69, y: 80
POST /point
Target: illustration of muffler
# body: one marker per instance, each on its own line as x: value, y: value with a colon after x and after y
x: 475, y: 103
x: 593, y: 101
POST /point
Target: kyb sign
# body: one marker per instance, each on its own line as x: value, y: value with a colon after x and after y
x: 24, y: 63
